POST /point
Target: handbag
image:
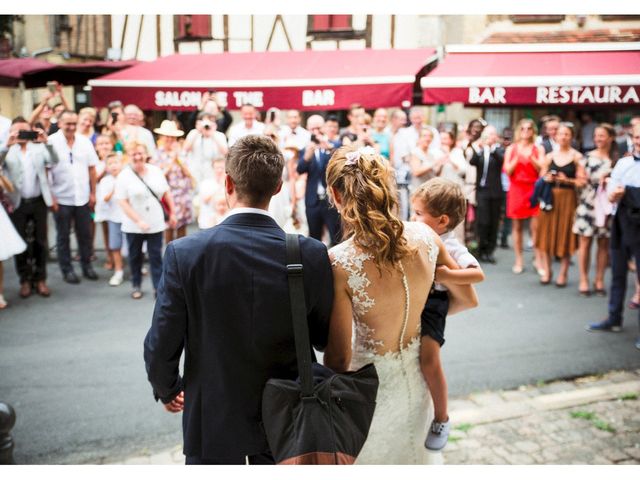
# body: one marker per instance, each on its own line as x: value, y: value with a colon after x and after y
x: 322, y: 417
x: 165, y: 208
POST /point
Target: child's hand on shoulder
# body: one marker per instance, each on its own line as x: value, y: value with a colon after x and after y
x: 442, y: 274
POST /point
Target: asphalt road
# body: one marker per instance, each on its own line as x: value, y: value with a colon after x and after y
x: 72, y: 365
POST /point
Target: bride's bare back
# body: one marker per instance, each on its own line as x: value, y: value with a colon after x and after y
x: 378, y: 298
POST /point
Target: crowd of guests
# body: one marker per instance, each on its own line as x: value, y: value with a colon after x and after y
x: 144, y: 190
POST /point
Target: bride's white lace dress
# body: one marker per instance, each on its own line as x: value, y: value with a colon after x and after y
x: 386, y: 332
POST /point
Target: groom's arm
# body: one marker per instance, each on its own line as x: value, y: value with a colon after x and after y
x: 165, y: 341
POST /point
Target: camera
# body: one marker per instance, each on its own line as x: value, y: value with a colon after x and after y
x: 27, y: 135
x: 314, y: 138
x: 51, y: 86
x: 114, y: 117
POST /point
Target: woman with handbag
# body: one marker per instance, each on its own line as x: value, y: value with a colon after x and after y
x: 383, y: 273
x: 140, y: 191
x: 11, y: 244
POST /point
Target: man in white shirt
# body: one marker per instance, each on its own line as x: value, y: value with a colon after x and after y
x: 134, y: 131
x: 248, y: 126
x: 25, y: 163
x: 74, y: 194
x: 203, y: 145
x: 293, y: 133
x: 408, y: 137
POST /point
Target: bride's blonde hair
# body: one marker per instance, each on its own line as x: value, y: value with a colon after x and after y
x: 366, y: 185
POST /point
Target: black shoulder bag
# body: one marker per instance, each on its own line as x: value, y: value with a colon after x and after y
x: 165, y: 212
x: 323, y: 417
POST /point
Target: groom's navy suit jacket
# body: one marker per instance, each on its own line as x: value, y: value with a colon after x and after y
x: 223, y: 299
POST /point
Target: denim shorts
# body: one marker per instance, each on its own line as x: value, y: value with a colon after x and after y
x: 115, y: 235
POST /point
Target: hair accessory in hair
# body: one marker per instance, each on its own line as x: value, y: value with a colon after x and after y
x: 352, y: 157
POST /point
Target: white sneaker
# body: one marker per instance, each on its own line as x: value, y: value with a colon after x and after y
x: 117, y: 279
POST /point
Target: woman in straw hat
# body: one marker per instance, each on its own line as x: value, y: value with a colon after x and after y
x: 178, y: 176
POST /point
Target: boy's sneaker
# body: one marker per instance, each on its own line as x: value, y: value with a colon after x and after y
x: 116, y: 279
x: 438, y: 435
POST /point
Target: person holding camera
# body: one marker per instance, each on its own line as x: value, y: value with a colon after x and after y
x: 25, y: 159
x: 74, y: 194
x: 313, y: 161
x: 203, y: 145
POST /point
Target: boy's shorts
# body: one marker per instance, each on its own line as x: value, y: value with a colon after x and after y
x: 434, y: 316
x: 115, y: 236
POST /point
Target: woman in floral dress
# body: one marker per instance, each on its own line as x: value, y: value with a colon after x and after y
x: 178, y: 177
x: 588, y: 225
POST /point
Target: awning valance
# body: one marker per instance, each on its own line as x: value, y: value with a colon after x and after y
x: 305, y: 80
x: 503, y: 78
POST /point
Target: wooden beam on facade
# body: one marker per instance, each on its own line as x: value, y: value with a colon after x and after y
x: 393, y: 32
x: 139, y: 37
x: 124, y: 33
x: 225, y: 33
x: 369, y: 31
x: 158, y: 37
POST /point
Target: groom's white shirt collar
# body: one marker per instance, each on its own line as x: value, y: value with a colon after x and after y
x: 239, y: 210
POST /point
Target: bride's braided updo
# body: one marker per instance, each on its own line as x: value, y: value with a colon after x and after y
x: 368, y: 201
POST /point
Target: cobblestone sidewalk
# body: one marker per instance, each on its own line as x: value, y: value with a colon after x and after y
x: 590, y: 420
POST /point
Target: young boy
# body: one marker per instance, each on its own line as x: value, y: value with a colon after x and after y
x: 441, y: 205
x: 113, y: 214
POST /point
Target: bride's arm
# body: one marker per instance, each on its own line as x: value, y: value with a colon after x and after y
x: 337, y: 355
x: 461, y: 297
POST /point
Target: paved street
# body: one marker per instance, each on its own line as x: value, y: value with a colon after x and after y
x: 591, y: 420
x: 72, y: 366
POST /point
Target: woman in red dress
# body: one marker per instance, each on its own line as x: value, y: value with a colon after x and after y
x: 523, y: 161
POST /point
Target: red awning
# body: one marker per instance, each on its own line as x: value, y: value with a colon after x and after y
x: 36, y: 73
x: 305, y: 80
x: 75, y: 73
x: 12, y: 70
x: 539, y: 75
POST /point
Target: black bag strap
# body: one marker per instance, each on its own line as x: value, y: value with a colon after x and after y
x: 148, y: 187
x: 299, y: 314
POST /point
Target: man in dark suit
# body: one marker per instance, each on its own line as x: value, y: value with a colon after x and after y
x: 313, y: 161
x: 488, y: 158
x: 624, y: 189
x: 224, y: 300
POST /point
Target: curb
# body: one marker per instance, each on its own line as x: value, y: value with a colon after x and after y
x: 541, y: 403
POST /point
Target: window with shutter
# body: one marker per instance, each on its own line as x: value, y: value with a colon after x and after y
x: 331, y: 23
x: 194, y: 27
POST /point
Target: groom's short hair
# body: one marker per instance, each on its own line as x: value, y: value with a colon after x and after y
x: 255, y: 165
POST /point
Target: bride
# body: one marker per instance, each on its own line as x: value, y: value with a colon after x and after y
x: 382, y: 275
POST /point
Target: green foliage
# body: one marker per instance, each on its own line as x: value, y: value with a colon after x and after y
x: 602, y: 425
x: 463, y: 427
x: 629, y: 396
x: 583, y: 415
x: 593, y: 418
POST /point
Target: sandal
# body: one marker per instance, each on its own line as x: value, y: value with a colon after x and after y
x: 136, y: 294
x: 585, y: 293
x: 634, y: 305
x: 3, y: 303
x: 517, y: 269
x: 601, y: 292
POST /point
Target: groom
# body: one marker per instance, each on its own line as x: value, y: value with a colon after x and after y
x: 223, y: 299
